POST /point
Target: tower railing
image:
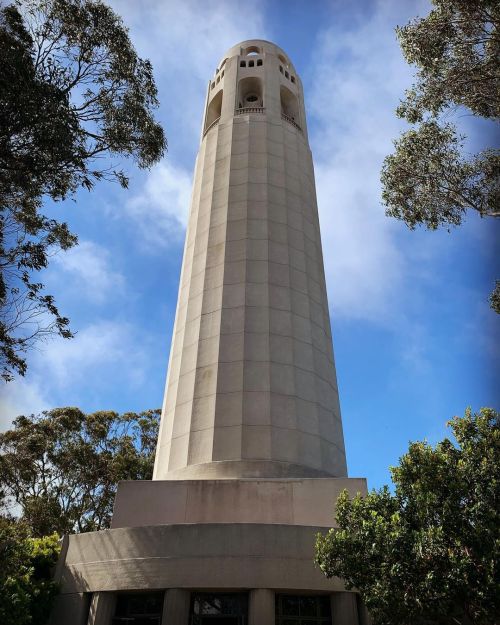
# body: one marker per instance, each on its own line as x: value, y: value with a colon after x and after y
x: 290, y: 121
x: 214, y: 123
x: 250, y: 109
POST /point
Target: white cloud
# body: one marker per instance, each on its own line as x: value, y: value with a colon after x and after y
x: 21, y: 397
x: 102, y: 356
x: 185, y: 41
x: 89, y: 272
x: 89, y: 355
x: 358, y: 80
x: 160, y: 209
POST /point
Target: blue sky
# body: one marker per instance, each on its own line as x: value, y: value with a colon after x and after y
x: 415, y: 341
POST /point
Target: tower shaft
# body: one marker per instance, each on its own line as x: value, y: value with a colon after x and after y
x: 251, y: 388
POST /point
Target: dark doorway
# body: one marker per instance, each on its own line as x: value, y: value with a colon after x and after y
x: 213, y: 608
x: 143, y: 608
x: 303, y: 610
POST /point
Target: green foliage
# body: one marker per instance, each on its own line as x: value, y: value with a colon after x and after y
x: 427, y: 554
x: 429, y: 179
x: 61, y: 467
x: 73, y: 94
x: 495, y: 297
x: 26, y: 564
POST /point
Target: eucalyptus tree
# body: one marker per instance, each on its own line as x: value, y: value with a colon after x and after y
x: 59, y: 469
x: 74, y: 96
x: 430, y: 179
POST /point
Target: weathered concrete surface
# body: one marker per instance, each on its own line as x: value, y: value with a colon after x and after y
x: 223, y: 556
x: 291, y: 502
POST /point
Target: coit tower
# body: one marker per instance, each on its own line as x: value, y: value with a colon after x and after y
x: 251, y: 388
x: 250, y: 456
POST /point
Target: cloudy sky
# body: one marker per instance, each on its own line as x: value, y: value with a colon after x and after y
x: 413, y: 334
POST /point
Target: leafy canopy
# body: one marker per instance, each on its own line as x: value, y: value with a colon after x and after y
x: 61, y: 468
x: 26, y: 587
x: 427, y: 554
x: 430, y: 179
x: 74, y: 95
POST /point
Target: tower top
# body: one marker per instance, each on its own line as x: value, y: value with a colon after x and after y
x: 255, y: 77
x: 257, y: 46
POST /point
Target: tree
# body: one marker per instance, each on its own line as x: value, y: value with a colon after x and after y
x: 26, y: 587
x: 60, y: 468
x: 73, y: 95
x: 427, y: 554
x: 430, y: 180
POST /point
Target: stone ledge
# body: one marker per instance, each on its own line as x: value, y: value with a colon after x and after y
x: 222, y: 556
x: 307, y: 501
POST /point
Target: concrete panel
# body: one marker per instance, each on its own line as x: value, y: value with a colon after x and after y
x: 195, y: 556
x: 176, y: 607
x: 102, y: 608
x: 344, y: 608
x: 284, y: 501
x: 261, y: 609
x: 70, y: 608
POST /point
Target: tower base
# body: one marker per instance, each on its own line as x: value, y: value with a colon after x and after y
x: 250, y: 537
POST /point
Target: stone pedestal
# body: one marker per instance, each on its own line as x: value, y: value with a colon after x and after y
x: 306, y: 501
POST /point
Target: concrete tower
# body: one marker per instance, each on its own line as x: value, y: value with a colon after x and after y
x: 250, y: 455
x: 251, y: 388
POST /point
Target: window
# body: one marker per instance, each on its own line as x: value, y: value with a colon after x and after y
x: 252, y: 50
x: 292, y: 77
x: 222, y: 76
x: 219, y: 609
x: 281, y: 68
x: 282, y: 59
x: 212, y: 85
x: 250, y: 63
x: 259, y: 62
x: 303, y: 610
x: 287, y: 75
x: 218, y: 79
x: 289, y: 104
x: 243, y: 63
x: 250, y: 92
x: 139, y: 609
x: 214, y: 109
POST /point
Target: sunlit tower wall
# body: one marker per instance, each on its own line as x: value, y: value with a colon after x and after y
x: 251, y: 388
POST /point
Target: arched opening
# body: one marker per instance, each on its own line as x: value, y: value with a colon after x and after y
x: 214, y: 109
x: 250, y: 92
x: 282, y: 59
x: 289, y: 104
x: 252, y: 50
